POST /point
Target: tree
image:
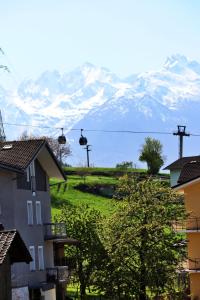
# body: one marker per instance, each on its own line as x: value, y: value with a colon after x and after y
x: 125, y: 165
x: 144, y: 250
x: 60, y: 151
x: 151, y: 153
x: 83, y: 223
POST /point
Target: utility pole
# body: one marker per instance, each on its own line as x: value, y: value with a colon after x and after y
x: 181, y: 133
x: 2, y: 133
x: 88, y: 150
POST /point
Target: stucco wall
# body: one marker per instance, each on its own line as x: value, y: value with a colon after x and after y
x: 49, y: 295
x: 33, y: 235
x: 174, y: 175
x: 192, y: 199
x: 195, y: 286
x: 6, y: 199
x: 21, y: 293
x: 192, y: 204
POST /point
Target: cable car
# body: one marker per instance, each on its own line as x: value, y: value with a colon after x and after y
x: 82, y: 140
x: 62, y: 139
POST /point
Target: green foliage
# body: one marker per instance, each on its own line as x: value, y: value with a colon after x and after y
x: 143, y: 250
x: 151, y: 153
x: 125, y: 165
x: 109, y: 172
x: 82, y: 223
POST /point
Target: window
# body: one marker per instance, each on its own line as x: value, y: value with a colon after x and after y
x: 32, y: 253
x: 30, y: 212
x: 40, y: 175
x: 22, y: 181
x: 38, y: 213
x: 41, y: 257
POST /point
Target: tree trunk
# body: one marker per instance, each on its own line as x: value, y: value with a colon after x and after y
x: 82, y: 281
x: 82, y: 291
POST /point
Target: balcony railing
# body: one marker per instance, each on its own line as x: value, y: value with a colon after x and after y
x: 66, y: 261
x: 194, y: 264
x: 54, y: 231
x: 58, y: 274
x: 190, y: 224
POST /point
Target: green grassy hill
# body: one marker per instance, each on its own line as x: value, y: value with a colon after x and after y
x: 71, y: 196
x: 67, y: 193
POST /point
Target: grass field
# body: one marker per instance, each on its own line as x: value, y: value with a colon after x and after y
x: 68, y: 195
x: 71, y: 196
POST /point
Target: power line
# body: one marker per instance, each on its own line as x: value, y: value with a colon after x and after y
x: 95, y: 130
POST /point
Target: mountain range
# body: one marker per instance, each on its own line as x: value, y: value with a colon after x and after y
x: 94, y: 99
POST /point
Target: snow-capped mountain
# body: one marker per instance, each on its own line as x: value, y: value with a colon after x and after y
x: 94, y: 98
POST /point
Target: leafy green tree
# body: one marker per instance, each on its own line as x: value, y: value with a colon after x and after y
x: 143, y: 250
x: 151, y: 153
x: 83, y: 223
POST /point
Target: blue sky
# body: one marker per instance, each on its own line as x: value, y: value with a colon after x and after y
x: 126, y: 36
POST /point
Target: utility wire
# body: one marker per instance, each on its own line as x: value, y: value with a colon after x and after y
x: 94, y: 130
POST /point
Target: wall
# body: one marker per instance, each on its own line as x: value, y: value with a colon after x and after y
x: 174, y: 175
x: 21, y: 293
x: 195, y: 286
x: 49, y: 295
x: 5, y: 280
x: 6, y: 199
x: 33, y: 235
x: 192, y: 204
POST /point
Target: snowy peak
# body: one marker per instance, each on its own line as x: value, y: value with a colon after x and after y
x: 178, y: 63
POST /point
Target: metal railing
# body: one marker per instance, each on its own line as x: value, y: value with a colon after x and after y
x: 54, y: 230
x: 70, y: 262
x: 191, y: 223
x: 57, y: 274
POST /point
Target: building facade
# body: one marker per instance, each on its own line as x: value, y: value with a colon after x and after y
x: 189, y: 185
x: 25, y: 168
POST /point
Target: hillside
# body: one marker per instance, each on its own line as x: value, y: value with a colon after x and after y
x: 98, y: 185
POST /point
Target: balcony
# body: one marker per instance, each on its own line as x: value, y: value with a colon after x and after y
x: 53, y: 231
x: 192, y: 224
x: 58, y: 274
x: 70, y: 262
x: 193, y: 265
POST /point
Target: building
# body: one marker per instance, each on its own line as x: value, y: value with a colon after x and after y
x: 12, y: 250
x: 176, y: 167
x: 25, y: 168
x: 189, y: 185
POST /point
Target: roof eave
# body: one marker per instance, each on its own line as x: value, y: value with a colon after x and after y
x: 186, y: 184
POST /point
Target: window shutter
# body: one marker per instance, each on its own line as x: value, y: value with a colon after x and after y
x: 41, y: 257
x: 32, y: 263
x: 30, y: 212
x: 38, y: 213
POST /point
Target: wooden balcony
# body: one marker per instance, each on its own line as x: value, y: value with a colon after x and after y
x: 191, y: 224
x: 58, y: 274
x: 53, y: 231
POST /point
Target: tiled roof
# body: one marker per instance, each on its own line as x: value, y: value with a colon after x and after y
x: 189, y: 172
x: 17, y: 155
x: 12, y: 244
x: 179, y: 163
